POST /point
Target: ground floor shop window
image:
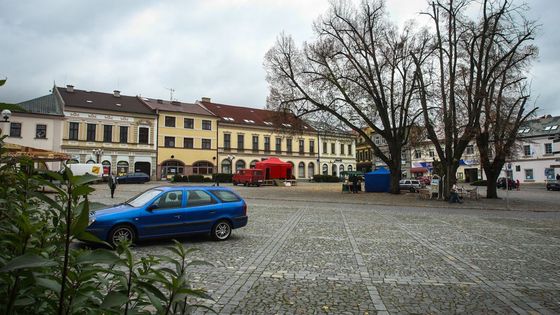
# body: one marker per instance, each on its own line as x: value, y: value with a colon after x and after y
x: 310, y: 170
x: 122, y: 168
x: 170, y: 168
x: 529, y: 173
x: 203, y: 168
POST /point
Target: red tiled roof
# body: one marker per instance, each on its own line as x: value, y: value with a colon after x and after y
x: 103, y: 101
x: 176, y: 106
x: 239, y: 115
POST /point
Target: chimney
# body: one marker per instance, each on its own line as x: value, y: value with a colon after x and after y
x: 117, y: 93
x: 69, y: 88
x: 206, y: 99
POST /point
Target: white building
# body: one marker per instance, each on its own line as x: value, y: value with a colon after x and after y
x: 38, y: 126
x: 537, y: 157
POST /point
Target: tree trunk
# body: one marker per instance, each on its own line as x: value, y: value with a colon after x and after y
x: 450, y: 178
x: 491, y: 178
x: 395, y: 178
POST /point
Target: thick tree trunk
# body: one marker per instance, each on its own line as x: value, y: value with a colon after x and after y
x: 450, y: 178
x: 395, y: 178
x: 491, y: 178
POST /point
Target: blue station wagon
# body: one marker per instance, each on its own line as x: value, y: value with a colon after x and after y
x: 171, y: 211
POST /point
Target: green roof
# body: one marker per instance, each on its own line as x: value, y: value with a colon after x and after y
x: 47, y: 105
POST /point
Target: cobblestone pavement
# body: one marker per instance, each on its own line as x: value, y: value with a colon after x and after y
x: 300, y: 255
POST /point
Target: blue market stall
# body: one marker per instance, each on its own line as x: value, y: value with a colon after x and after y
x: 378, y: 180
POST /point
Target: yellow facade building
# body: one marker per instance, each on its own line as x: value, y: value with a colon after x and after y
x: 186, y: 141
x: 248, y: 135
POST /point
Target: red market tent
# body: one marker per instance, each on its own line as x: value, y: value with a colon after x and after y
x: 274, y: 168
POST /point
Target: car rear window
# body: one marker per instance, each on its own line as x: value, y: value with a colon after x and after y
x: 225, y: 196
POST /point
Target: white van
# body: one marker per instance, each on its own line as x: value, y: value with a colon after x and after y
x: 82, y: 169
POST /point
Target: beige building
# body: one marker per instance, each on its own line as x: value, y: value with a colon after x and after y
x: 337, y: 152
x: 248, y: 135
x: 116, y: 130
x: 187, y: 138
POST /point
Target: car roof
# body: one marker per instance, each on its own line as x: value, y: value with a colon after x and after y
x: 167, y: 188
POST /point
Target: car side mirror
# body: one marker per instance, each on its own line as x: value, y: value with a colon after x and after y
x: 152, y: 207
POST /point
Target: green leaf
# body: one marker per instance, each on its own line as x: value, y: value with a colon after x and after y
x: 82, y: 190
x: 27, y: 261
x: 45, y: 198
x: 148, y: 287
x: 48, y: 283
x: 80, y: 225
x: 196, y: 292
x: 88, y: 237
x: 98, y: 256
x: 114, y: 299
x: 84, y: 179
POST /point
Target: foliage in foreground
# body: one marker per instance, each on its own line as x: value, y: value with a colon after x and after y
x: 42, y: 271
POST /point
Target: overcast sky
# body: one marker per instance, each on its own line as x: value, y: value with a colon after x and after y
x: 212, y: 48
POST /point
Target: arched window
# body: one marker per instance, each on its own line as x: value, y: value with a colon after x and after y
x: 239, y: 164
x: 253, y: 164
x: 301, y: 170
x: 340, y: 169
x: 72, y: 161
x: 349, y: 168
x: 226, y: 166
x: 122, y: 168
x: 310, y: 170
x: 203, y: 167
x: 106, y: 167
x: 334, y: 170
x: 90, y: 162
x: 171, y: 168
x: 325, y: 169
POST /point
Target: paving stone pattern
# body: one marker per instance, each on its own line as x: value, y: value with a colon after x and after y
x: 332, y: 257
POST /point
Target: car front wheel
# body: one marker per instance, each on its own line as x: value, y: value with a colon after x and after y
x: 120, y: 233
x: 221, y: 231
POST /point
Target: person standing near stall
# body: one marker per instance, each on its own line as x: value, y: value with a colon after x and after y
x: 112, y: 184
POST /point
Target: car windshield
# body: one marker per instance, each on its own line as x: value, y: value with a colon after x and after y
x: 144, y: 197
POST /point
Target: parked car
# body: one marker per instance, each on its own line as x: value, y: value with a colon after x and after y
x: 501, y: 183
x: 248, y: 176
x: 553, y: 185
x: 171, y: 211
x: 411, y: 185
x: 133, y: 178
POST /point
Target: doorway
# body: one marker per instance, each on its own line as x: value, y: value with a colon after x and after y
x: 142, y: 167
x: 471, y: 175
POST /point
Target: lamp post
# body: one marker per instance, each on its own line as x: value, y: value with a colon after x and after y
x: 98, y: 153
x: 230, y: 159
x: 6, y: 114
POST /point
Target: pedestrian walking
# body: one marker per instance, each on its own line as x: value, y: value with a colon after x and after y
x: 355, y: 184
x: 112, y: 184
x: 557, y: 176
x: 517, y: 184
x: 454, y: 194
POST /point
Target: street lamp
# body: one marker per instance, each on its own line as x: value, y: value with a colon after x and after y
x: 98, y: 153
x: 230, y: 159
x: 6, y: 114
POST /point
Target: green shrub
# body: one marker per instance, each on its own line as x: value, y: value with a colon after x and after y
x: 326, y: 178
x: 41, y: 273
x: 195, y: 178
x: 222, y: 177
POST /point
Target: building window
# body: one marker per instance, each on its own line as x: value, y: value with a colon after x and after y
x: 143, y: 135
x: 169, y: 121
x: 518, y: 168
x: 349, y: 149
x: 377, y: 140
x: 188, y: 143
x: 253, y: 164
x: 124, y: 134
x: 529, y: 173
x: 301, y: 170
x: 172, y: 168
x: 417, y: 154
x: 90, y: 136
x: 311, y: 146
x: 470, y: 150
x: 15, y: 129
x: 325, y: 169
x: 255, y: 143
x: 107, y: 133
x: 227, y: 141
x: 206, y: 144
x: 341, y: 149
x: 169, y: 142
x: 240, y: 142
x: 289, y: 145
x: 267, y: 144
x: 41, y: 131
x: 431, y: 153
x: 239, y: 164
x: 188, y: 123
x: 122, y: 168
x: 548, y: 148
x: 73, y: 131
x: 301, y: 146
x: 206, y: 125
x: 527, y: 150
x: 324, y: 148
x: 202, y: 168
x: 310, y: 170
x: 278, y: 145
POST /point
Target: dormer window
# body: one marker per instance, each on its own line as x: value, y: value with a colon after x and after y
x: 89, y: 101
x: 287, y: 125
x: 551, y: 127
x: 229, y: 119
x: 268, y: 123
x: 249, y: 121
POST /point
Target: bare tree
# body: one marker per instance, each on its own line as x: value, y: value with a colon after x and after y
x: 359, y: 70
x: 464, y: 85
